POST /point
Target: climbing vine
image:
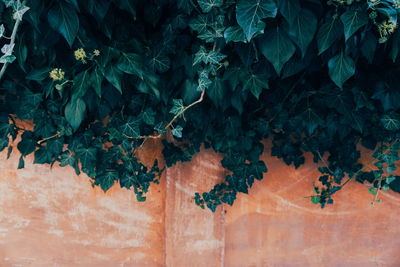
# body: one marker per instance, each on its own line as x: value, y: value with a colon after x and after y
x: 100, y: 77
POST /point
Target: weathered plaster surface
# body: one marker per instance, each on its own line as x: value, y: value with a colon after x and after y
x: 55, y: 218
x: 51, y: 217
x: 193, y: 235
x: 275, y: 225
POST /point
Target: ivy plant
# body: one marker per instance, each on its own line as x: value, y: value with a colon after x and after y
x: 98, y: 78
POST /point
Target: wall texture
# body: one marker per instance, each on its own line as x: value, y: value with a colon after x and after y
x: 51, y: 217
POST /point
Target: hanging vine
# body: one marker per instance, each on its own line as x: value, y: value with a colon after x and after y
x: 98, y: 78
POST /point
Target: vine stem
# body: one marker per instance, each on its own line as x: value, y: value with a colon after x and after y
x: 365, y: 166
x: 326, y: 163
x: 12, y: 41
x: 172, y: 121
x: 143, y: 136
x: 58, y: 134
x: 214, y: 46
x: 377, y: 193
x: 186, y: 108
x: 371, y: 162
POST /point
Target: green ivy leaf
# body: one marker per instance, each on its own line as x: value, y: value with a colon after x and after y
x: 75, y: 112
x: 391, y: 168
x: 129, y: 6
x: 249, y: 15
x: 62, y: 17
x: 200, y: 23
x: 391, y: 121
x: 27, y: 144
x: 67, y: 158
x: 390, y: 179
x: 234, y: 34
x: 128, y: 180
x: 185, y: 5
x: 56, y: 145
x: 394, y: 52
x: 177, y: 131
x: 7, y: 49
x: 385, y: 188
x: 368, y: 47
x: 229, y: 198
x: 290, y: 10
x: 22, y: 52
x: 74, y: 3
x: 130, y: 127
x: 315, y: 199
x: 3, y: 143
x: 87, y: 156
x: 258, y: 169
x: 32, y: 98
x: 9, y: 150
x: 148, y: 116
x: 7, y: 59
x: 373, y: 191
x: 96, y: 79
x: 255, y: 84
x: 276, y: 46
x: 81, y: 83
x: 43, y: 127
x: 390, y: 12
x: 217, y: 92
x: 140, y: 197
x: 7, y: 129
x: 21, y: 162
x: 328, y: 33
x: 353, y: 19
x: 113, y: 76
x: 43, y: 155
x: 38, y: 74
x: 2, y: 29
x: 159, y: 62
x: 203, y: 83
x: 211, y: 57
x: 200, y: 56
x: 106, y: 179
x: 98, y: 8
x: 160, y: 128
x: 302, y: 29
x: 177, y: 106
x: 311, y: 120
x: 341, y: 68
x: 131, y: 63
x: 207, y: 5
x: 20, y: 11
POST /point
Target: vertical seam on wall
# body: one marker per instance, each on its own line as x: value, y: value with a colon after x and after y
x: 223, y: 222
x: 165, y: 213
x: 222, y: 256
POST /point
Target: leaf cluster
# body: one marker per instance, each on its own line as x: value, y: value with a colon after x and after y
x: 99, y: 77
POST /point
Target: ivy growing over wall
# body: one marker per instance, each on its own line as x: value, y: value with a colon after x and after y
x: 100, y: 77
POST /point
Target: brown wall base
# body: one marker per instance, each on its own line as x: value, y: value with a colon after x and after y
x: 51, y: 217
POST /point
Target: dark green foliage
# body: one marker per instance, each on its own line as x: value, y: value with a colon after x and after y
x: 63, y: 18
x: 99, y: 77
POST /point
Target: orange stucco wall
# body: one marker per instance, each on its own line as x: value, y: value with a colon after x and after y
x: 51, y: 217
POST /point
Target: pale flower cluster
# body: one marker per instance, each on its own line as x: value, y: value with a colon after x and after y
x: 56, y: 74
x: 80, y: 55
